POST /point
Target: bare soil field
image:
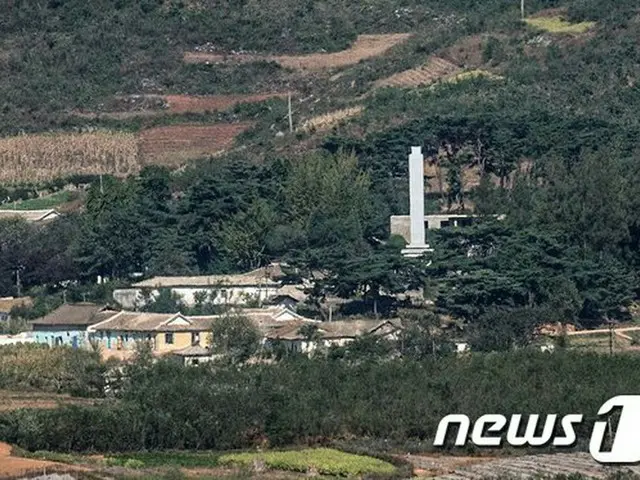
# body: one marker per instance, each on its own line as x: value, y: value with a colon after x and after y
x: 466, y: 52
x: 365, y: 46
x: 14, y: 400
x: 200, y: 104
x: 12, y: 467
x: 435, y: 69
x: 174, y: 144
x: 124, y: 108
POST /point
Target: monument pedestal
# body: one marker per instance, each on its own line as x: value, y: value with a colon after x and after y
x: 415, y: 251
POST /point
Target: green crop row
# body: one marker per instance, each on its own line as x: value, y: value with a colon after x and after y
x: 325, y: 461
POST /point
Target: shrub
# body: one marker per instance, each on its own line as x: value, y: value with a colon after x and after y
x: 133, y: 463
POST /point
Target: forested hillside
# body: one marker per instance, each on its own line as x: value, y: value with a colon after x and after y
x: 522, y: 119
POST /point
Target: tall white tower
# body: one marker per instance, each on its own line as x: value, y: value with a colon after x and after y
x: 418, y: 245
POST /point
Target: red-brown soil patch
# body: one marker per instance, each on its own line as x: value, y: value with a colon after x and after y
x: 124, y: 108
x: 211, y: 103
x: 10, y: 400
x: 365, y: 46
x: 467, y: 52
x: 174, y: 144
x: 15, y: 466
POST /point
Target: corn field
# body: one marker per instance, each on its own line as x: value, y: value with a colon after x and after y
x: 41, y: 157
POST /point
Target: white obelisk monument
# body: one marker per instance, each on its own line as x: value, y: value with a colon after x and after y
x: 417, y: 246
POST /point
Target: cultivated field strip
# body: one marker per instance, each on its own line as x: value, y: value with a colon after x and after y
x: 435, y: 69
x: 172, y: 145
x: 528, y: 466
x: 365, y: 46
x: 331, y: 119
x: 40, y: 157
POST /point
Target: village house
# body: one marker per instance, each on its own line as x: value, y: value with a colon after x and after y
x: 68, y: 324
x: 119, y: 335
x: 178, y: 334
x: 298, y: 337
x: 257, y: 287
x: 30, y: 216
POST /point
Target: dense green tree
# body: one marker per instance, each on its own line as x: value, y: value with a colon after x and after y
x: 235, y: 337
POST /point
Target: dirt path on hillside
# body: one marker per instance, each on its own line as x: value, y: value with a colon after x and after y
x: 365, y: 46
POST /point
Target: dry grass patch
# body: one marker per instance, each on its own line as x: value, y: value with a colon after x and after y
x: 365, y: 46
x: 42, y: 157
x: 435, y: 69
x: 473, y: 74
x: 559, y: 25
x: 331, y: 119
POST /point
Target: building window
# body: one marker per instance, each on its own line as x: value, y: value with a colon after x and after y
x: 168, y: 338
x: 195, y: 338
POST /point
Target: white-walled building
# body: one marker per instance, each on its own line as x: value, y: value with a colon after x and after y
x: 251, y: 288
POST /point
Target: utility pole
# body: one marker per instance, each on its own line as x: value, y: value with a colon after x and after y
x: 610, y: 338
x: 18, y: 283
x: 290, y: 113
x: 522, y: 9
x: 101, y: 187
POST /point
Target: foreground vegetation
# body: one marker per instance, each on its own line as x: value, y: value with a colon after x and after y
x: 166, y: 406
x: 33, y: 367
x: 324, y: 461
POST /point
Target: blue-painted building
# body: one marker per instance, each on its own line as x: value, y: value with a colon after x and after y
x: 67, y: 325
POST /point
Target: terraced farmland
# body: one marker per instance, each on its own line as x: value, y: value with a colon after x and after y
x: 331, y: 119
x: 435, y: 69
x: 365, y: 46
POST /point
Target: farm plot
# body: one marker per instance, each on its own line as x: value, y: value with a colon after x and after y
x: 14, y: 400
x: 41, y: 157
x: 212, y: 103
x: 172, y: 145
x: 132, y: 106
x: 435, y: 69
x: 558, y: 25
x: 331, y: 119
x: 528, y: 466
x: 365, y: 46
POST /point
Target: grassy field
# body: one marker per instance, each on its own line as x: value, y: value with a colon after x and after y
x: 50, y: 201
x: 325, y: 461
x: 322, y: 461
x: 558, y: 25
